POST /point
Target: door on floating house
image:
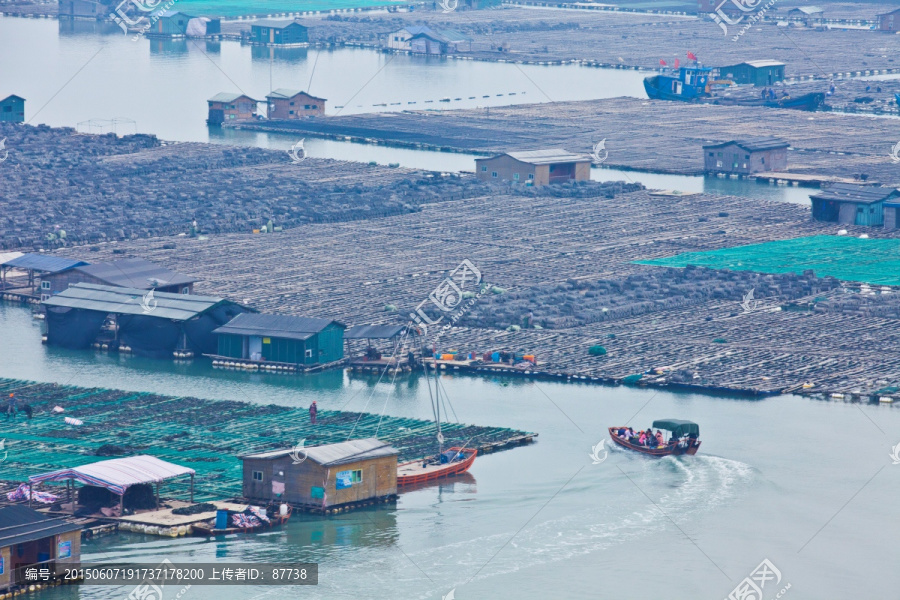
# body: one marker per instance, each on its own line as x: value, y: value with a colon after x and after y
x: 255, y: 347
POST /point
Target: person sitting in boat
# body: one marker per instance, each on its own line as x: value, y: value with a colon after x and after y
x: 642, y: 440
x: 660, y: 438
x: 622, y: 433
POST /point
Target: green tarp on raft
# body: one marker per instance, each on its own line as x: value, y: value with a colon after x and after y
x: 873, y: 261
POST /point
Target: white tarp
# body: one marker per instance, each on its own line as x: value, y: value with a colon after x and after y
x: 118, y: 474
x: 197, y: 26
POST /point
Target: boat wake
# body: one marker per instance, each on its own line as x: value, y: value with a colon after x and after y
x: 682, y: 488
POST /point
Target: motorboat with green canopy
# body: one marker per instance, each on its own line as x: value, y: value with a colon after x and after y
x: 683, y: 438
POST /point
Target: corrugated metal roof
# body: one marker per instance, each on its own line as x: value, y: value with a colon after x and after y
x: 763, y: 63
x: 373, y: 332
x: 275, y: 24
x: 20, y: 524
x: 172, y: 13
x: 118, y: 474
x: 809, y: 10
x: 136, y: 273
x: 753, y: 144
x: 45, y: 263
x: 287, y: 94
x: 228, y: 97
x: 343, y: 453
x: 445, y: 36
x: 6, y: 256
x: 859, y: 194
x: 132, y: 301
x: 545, y: 157
x: 277, y: 326
x: 416, y: 29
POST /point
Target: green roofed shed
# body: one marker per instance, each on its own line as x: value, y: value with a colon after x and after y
x: 678, y: 427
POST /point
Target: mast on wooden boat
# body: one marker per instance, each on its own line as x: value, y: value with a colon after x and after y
x: 435, y: 404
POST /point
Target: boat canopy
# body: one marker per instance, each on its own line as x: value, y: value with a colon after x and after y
x: 678, y: 427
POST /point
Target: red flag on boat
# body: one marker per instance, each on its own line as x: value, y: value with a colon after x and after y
x: 677, y: 64
x: 662, y: 63
x: 692, y: 56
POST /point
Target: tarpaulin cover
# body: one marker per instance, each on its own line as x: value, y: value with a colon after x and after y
x: 72, y: 327
x: 197, y: 26
x: 118, y: 474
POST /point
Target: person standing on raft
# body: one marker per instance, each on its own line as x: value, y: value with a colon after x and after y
x: 312, y: 412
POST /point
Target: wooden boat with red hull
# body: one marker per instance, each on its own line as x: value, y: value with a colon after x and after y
x: 684, y: 439
x: 430, y: 469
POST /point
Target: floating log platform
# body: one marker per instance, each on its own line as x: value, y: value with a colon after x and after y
x: 578, y: 262
x: 823, y: 144
x: 206, y: 435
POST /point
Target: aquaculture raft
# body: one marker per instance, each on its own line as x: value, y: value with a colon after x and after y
x: 206, y: 435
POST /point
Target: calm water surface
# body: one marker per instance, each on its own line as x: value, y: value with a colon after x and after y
x: 162, y: 86
x: 543, y: 521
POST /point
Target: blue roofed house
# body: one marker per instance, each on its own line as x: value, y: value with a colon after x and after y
x: 12, y: 109
x: 297, y: 341
x: 38, y: 269
x: 278, y: 33
x: 171, y: 23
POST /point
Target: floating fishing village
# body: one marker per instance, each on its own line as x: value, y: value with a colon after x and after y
x: 366, y: 277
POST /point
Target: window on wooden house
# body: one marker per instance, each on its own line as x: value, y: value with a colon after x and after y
x: 493, y: 173
x: 257, y: 475
x: 356, y: 476
x: 531, y: 176
x: 484, y: 169
x: 309, y: 354
x: 516, y: 176
x: 45, y: 285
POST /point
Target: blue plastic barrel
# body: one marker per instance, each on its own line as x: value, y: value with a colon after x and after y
x: 221, y: 519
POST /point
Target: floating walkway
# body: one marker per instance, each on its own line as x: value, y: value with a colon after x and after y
x: 206, y: 435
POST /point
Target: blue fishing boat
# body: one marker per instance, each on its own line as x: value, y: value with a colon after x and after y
x: 696, y: 84
x: 897, y: 98
x: 686, y: 84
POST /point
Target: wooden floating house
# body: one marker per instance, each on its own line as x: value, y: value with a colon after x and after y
x: 754, y: 72
x: 82, y: 9
x: 293, y: 104
x: 850, y: 204
x: 150, y: 323
x: 536, y: 167
x: 747, y: 156
x: 12, y: 109
x: 129, y: 272
x: 29, y: 538
x: 40, y: 268
x: 324, y: 477
x: 810, y: 16
x: 890, y: 21
x: 228, y: 107
x: 421, y: 39
x: 299, y: 342
x: 278, y: 33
